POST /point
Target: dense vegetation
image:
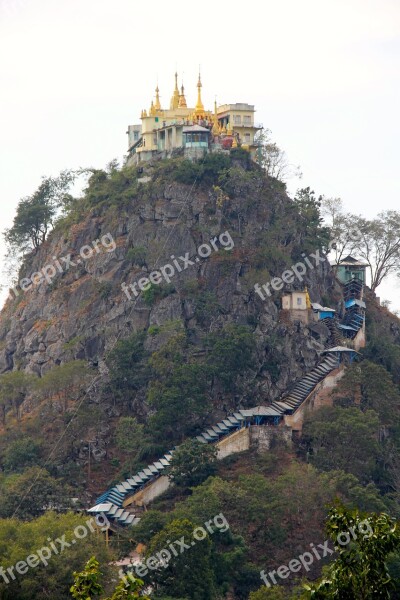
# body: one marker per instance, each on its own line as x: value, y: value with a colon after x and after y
x: 165, y: 384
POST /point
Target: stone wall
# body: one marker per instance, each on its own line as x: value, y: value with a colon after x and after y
x: 321, y: 396
x: 150, y: 492
x: 236, y: 442
x: 360, y: 341
x: 263, y: 436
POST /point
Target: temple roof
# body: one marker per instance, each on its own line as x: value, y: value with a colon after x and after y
x: 195, y: 129
x: 351, y: 261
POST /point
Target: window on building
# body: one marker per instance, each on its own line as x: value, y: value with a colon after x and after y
x: 299, y: 301
x: 237, y: 119
x: 135, y: 135
x: 247, y: 120
x: 247, y: 137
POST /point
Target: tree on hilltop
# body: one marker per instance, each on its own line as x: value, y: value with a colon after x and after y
x: 36, y: 213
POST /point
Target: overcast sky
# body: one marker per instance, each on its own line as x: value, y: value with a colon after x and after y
x: 324, y: 76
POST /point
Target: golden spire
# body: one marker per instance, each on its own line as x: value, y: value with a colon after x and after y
x: 229, y: 129
x: 157, y: 105
x: 215, y: 128
x: 199, y: 106
x: 175, y: 96
x: 182, y: 99
x: 152, y: 110
x: 308, y: 301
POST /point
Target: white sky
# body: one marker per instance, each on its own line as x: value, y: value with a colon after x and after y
x: 324, y: 76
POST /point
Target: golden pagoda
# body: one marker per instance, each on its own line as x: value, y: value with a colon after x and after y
x: 182, y: 99
x: 175, y: 96
x: 157, y: 104
x: 192, y: 128
x: 199, y: 105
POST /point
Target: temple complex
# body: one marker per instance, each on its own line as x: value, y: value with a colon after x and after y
x: 191, y: 131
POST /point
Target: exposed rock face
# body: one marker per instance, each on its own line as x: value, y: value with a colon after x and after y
x: 84, y: 311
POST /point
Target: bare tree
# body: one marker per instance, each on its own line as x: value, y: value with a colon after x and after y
x: 379, y: 245
x: 272, y: 159
x: 344, y: 231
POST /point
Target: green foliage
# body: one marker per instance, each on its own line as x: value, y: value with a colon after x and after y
x: 87, y: 582
x: 192, y: 462
x: 345, y: 439
x: 205, y: 171
x: 129, y: 434
x: 129, y: 589
x: 206, y: 306
x: 378, y: 392
x: 113, y: 187
x: 190, y: 574
x: 137, y: 255
x: 19, y: 540
x: 312, y: 234
x: 380, y: 349
x: 27, y: 495
x: 242, y: 156
x: 153, y: 293
x: 187, y: 172
x: 180, y: 401
x: 73, y: 342
x: 360, y: 571
x: 35, y: 214
x: 239, y: 183
x: 104, y: 289
x: 231, y: 353
x: 277, y: 592
x: 14, y: 386
x: 20, y: 454
x: 151, y: 523
x: 177, y: 391
x: 87, y: 585
x: 66, y: 381
x: 128, y: 367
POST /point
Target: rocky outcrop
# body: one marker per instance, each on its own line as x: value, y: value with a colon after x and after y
x: 84, y: 310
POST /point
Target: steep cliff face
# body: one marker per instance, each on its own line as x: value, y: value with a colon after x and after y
x: 84, y: 310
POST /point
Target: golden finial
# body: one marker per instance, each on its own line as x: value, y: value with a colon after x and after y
x: 175, y: 96
x: 182, y: 99
x: 229, y: 129
x: 157, y: 105
x: 308, y: 301
x: 215, y: 128
x: 144, y: 113
x: 234, y: 143
x: 152, y: 110
x: 199, y: 106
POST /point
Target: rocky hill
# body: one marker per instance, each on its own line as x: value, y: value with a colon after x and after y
x: 137, y: 324
x: 140, y: 220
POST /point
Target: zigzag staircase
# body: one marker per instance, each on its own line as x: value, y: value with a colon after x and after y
x: 335, y: 338
x: 111, y: 502
x: 341, y: 330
